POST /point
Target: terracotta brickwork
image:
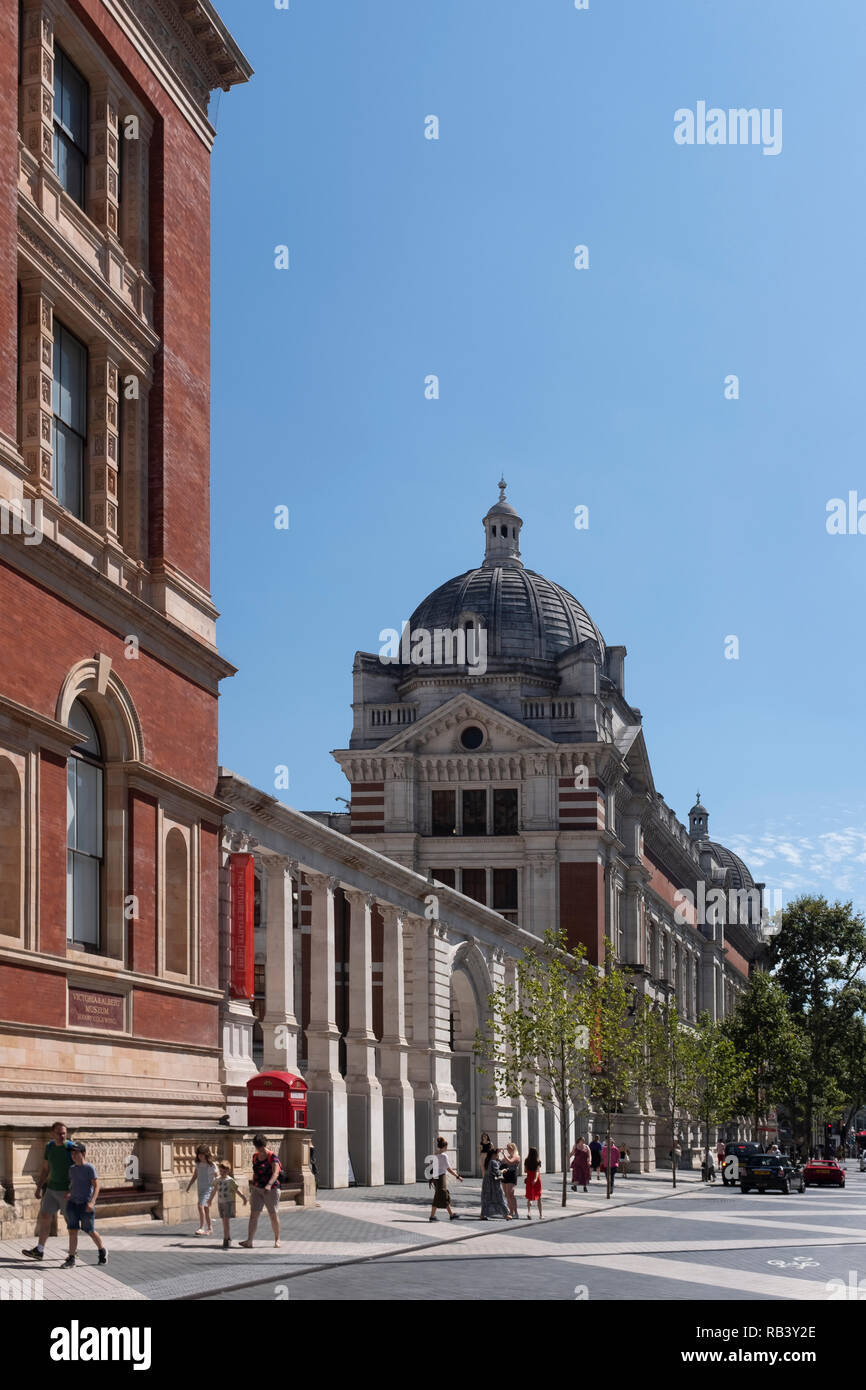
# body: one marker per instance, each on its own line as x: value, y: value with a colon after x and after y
x: 109, y: 613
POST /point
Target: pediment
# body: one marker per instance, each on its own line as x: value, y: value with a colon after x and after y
x: 437, y: 731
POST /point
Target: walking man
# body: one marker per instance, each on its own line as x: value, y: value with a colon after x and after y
x: 595, y: 1152
x: 52, y: 1185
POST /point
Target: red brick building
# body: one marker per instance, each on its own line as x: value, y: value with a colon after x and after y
x: 109, y: 827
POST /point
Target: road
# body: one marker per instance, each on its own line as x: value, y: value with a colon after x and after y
x: 702, y: 1243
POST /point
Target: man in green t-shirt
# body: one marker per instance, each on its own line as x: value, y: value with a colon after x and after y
x: 52, y: 1185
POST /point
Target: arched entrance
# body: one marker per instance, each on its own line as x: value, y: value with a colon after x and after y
x: 470, y: 987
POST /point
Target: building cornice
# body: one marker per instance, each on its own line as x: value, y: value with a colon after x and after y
x: 188, y: 48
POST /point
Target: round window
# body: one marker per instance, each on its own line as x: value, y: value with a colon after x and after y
x: 472, y: 737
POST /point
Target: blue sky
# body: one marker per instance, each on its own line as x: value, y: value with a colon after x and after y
x: 602, y: 387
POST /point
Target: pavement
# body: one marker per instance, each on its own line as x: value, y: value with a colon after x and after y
x: 649, y: 1241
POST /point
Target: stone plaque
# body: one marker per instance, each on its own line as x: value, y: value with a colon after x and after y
x: 90, y: 1008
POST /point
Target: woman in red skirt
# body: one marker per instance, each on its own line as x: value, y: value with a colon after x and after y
x: 532, y: 1168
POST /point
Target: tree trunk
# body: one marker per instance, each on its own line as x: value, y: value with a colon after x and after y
x: 609, y: 1145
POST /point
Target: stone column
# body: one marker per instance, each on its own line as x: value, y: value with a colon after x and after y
x: 280, y: 1027
x: 439, y: 981
x: 507, y: 965
x: 103, y: 374
x: 420, y: 1068
x: 398, y: 1096
x: 104, y: 161
x: 327, y: 1089
x: 37, y: 376
x: 236, y: 1015
x: 37, y: 81
x: 366, y: 1142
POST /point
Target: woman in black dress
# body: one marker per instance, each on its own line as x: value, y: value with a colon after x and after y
x: 492, y: 1200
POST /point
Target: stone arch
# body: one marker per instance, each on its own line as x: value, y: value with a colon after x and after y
x: 470, y: 986
x: 11, y: 847
x: 111, y: 704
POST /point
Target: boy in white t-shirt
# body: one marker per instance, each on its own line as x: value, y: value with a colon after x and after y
x: 226, y: 1191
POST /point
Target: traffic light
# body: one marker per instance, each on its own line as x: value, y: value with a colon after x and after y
x: 828, y: 1128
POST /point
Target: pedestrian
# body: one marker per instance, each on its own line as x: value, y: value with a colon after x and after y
x: 595, y: 1152
x: 313, y: 1169
x: 264, y: 1190
x: 610, y: 1159
x: 205, y: 1174
x: 52, y: 1185
x: 624, y: 1162
x: 720, y: 1153
x: 580, y: 1160
x: 510, y: 1170
x: 439, y: 1183
x: 484, y: 1148
x: 492, y: 1201
x: 532, y: 1169
x: 675, y: 1154
x: 226, y: 1191
x: 80, y: 1215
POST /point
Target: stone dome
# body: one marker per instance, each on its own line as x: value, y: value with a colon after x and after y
x: 740, y: 875
x: 527, y: 617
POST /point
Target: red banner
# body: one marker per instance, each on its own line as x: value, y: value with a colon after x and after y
x: 241, y: 985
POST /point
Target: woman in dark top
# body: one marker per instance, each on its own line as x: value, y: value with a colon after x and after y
x: 492, y: 1200
x: 484, y: 1148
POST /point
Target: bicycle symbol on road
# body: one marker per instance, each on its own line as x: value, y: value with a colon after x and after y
x: 798, y: 1262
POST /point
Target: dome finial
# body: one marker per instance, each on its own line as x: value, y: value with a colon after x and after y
x: 502, y: 485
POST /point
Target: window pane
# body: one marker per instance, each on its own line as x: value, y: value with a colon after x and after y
x: 475, y: 884
x: 89, y: 808
x: 70, y: 98
x: 505, y: 811
x: 70, y: 860
x: 475, y: 812
x: 81, y: 722
x: 505, y: 890
x: 69, y: 470
x: 85, y: 900
x: 444, y: 812
x: 70, y: 804
x: 70, y: 380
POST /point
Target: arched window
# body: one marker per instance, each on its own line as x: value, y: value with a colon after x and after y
x: 10, y: 849
x: 176, y: 903
x: 84, y: 833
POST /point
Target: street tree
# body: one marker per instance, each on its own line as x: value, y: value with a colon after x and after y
x: 818, y: 957
x: 718, y: 1077
x: 770, y: 1046
x: 670, y: 1064
x: 537, y: 1031
x: 617, y: 1058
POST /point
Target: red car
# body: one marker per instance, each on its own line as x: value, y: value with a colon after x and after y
x: 823, y: 1172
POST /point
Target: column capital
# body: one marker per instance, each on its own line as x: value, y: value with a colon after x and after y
x: 360, y: 896
x: 391, y: 913
x: 239, y: 842
x: 276, y: 863
x: 321, y: 881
